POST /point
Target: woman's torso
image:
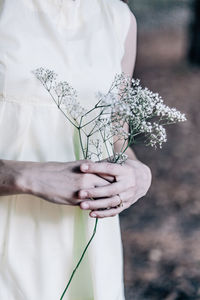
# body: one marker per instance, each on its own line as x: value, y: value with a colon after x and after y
x: 82, y: 41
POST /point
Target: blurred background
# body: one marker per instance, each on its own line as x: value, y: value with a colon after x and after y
x: 161, y: 232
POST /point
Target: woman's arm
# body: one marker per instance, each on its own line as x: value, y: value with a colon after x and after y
x: 10, y: 171
x: 128, y: 64
x: 133, y: 179
x: 55, y: 182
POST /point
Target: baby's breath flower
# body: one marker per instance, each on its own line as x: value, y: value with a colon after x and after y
x: 146, y: 127
x: 108, y: 99
x: 171, y: 115
x: 158, y: 136
x: 139, y: 107
x: 118, y: 131
x: 64, y: 89
x: 95, y: 150
x: 126, y: 103
x: 46, y: 76
x: 73, y: 108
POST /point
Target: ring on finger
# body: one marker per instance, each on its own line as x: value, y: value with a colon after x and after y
x: 121, y: 202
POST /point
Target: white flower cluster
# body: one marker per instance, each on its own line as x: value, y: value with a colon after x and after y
x: 95, y: 150
x: 73, y: 107
x: 126, y: 103
x: 157, y: 135
x: 116, y: 129
x: 142, y: 109
x: 111, y: 104
x: 169, y: 114
x: 62, y: 92
x: 46, y: 76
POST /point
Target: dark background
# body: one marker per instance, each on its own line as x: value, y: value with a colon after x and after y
x: 161, y: 232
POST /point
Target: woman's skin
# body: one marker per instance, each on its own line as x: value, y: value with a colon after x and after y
x: 130, y: 181
x: 76, y: 183
x: 55, y: 182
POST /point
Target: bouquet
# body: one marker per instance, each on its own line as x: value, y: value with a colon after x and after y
x: 100, y: 127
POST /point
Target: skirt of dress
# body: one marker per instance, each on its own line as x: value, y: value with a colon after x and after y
x: 41, y: 242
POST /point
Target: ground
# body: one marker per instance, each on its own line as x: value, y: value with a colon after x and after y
x: 160, y: 232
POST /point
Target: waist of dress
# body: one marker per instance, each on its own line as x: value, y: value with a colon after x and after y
x: 27, y: 100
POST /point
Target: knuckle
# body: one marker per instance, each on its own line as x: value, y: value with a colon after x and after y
x: 87, y: 162
x: 129, y: 169
x: 119, y: 200
x: 112, y: 191
x: 109, y: 167
x: 85, y: 181
x: 114, y: 201
x: 82, y: 181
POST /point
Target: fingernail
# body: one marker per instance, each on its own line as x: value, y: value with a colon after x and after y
x: 85, y: 205
x: 84, y: 167
x: 93, y: 215
x: 83, y: 194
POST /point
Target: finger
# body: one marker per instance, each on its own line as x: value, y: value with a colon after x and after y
x: 98, y: 181
x: 103, y: 168
x: 129, y: 195
x: 101, y: 203
x: 109, y: 190
x: 107, y: 177
x: 108, y: 212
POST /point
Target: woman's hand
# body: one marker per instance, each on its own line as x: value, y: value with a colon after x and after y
x: 56, y: 182
x: 131, y: 181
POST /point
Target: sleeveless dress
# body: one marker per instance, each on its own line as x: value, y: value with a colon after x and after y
x: 40, y: 243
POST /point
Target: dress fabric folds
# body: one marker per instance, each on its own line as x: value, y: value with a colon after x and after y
x: 40, y: 243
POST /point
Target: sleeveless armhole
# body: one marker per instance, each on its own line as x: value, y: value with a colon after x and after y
x: 130, y: 45
x: 122, y: 21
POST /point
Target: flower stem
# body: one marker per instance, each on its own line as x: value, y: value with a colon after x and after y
x: 94, y: 231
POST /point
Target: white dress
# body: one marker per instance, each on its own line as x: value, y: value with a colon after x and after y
x: 40, y: 242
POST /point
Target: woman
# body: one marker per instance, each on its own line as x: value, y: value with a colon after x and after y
x: 46, y: 215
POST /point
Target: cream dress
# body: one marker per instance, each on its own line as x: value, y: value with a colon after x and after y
x: 40, y: 242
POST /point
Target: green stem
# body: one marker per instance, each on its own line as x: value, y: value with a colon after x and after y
x: 81, y: 143
x: 94, y: 231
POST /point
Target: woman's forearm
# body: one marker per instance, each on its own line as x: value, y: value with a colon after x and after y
x: 118, y: 148
x: 56, y: 182
x: 130, y: 153
x: 10, y: 172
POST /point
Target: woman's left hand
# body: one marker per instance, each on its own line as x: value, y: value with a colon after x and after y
x: 131, y: 181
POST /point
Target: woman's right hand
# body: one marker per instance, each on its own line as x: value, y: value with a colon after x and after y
x: 56, y: 182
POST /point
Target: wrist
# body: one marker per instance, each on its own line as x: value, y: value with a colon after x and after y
x: 24, y: 177
x: 142, y: 173
x: 10, y: 177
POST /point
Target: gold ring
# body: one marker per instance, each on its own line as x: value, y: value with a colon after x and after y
x: 121, y: 202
